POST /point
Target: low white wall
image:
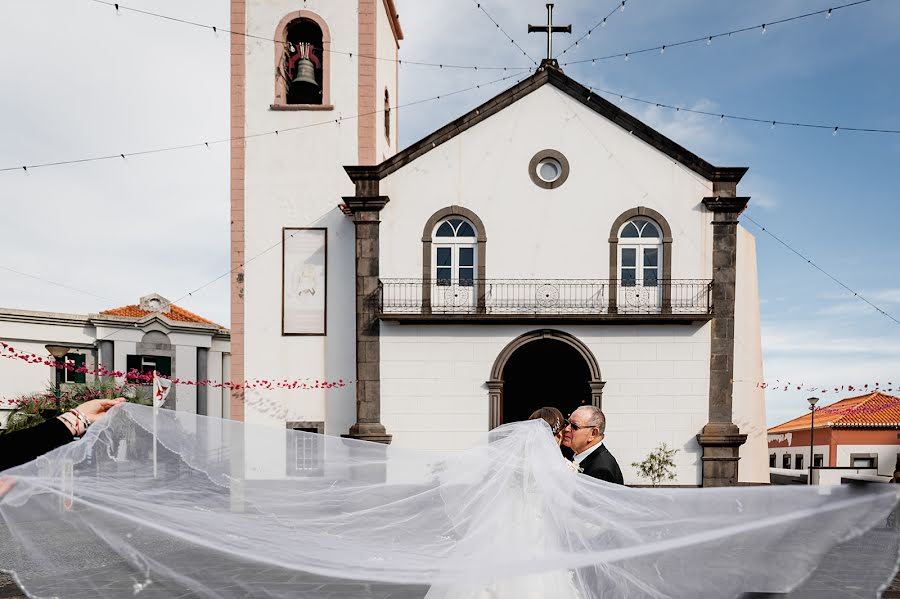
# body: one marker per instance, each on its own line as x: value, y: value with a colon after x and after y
x: 834, y: 476
x: 887, y: 456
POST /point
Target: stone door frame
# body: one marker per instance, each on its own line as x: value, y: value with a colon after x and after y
x: 495, y: 383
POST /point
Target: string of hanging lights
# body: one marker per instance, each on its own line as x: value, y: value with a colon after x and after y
x: 207, y: 144
x: 503, y: 31
x: 119, y: 7
x: 722, y: 116
x: 601, y: 24
x: 809, y: 261
x: 708, y: 39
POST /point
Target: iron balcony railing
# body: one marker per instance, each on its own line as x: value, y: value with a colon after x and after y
x: 545, y: 296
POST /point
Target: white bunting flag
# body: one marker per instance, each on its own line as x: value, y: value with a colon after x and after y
x: 161, y: 388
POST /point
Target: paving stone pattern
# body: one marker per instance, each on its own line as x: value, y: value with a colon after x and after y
x: 843, y: 574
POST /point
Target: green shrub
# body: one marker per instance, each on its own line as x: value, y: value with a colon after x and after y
x: 658, y: 465
x: 34, y: 408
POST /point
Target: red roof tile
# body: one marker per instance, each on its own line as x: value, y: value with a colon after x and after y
x: 174, y: 312
x: 873, y: 410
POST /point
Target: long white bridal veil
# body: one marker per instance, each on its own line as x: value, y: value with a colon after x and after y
x: 237, y: 510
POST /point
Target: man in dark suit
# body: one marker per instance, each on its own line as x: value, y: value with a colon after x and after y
x: 584, y: 434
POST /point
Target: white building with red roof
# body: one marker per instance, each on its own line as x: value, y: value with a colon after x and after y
x: 153, y: 334
x: 858, y: 435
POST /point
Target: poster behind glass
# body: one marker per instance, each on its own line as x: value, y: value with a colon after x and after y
x: 304, y: 261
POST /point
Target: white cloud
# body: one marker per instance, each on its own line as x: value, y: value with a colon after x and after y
x: 818, y: 359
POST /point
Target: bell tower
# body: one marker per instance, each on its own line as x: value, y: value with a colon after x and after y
x: 302, y: 107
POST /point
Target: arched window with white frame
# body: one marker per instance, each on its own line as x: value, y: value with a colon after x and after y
x: 455, y: 247
x: 453, y: 262
x: 640, y: 264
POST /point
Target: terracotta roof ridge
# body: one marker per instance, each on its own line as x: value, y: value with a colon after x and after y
x: 172, y: 312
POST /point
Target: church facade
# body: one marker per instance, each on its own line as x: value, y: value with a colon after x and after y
x: 546, y: 248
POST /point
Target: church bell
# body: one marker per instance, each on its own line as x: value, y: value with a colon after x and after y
x: 306, y: 73
x: 306, y: 69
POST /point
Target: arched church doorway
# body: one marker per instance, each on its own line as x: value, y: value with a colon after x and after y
x: 546, y: 372
x: 542, y: 368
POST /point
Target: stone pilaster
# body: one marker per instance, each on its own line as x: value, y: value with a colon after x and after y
x: 106, y: 350
x: 202, y: 375
x: 495, y: 395
x: 597, y: 393
x: 721, y: 438
x: 365, y: 211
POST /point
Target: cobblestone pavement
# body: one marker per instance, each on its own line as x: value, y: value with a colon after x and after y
x: 842, y: 574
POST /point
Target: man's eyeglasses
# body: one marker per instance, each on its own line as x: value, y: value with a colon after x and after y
x: 574, y: 426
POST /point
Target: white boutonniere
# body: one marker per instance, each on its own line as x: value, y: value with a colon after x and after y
x: 573, y: 465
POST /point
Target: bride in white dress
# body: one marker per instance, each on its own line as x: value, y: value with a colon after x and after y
x: 524, y: 526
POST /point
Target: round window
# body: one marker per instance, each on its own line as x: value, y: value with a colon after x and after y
x: 549, y: 170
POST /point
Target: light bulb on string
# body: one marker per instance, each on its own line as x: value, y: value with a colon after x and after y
x: 593, y: 62
x: 626, y: 57
x: 589, y: 33
x: 763, y: 28
x: 662, y: 50
x: 293, y: 49
x: 834, y: 133
x: 721, y: 118
x: 603, y: 24
x: 709, y: 41
x: 773, y: 126
x: 622, y: 8
x: 828, y: 14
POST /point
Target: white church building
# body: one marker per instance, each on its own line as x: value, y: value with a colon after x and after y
x: 544, y: 249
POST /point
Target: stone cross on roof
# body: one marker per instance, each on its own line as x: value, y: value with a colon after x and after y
x: 549, y: 29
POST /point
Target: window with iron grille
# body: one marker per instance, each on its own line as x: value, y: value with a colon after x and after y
x: 306, y: 448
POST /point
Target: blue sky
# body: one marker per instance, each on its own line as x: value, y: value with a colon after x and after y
x: 89, y: 82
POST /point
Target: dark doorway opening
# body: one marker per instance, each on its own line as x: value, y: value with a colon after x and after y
x: 545, y: 372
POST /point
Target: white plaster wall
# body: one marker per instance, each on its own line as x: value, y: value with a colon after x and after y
x: 433, y: 392
x: 749, y: 400
x: 779, y: 456
x: 887, y: 455
x: 833, y: 477
x: 121, y: 350
x: 296, y: 179
x: 386, y: 77
x: 825, y: 450
x: 793, y: 451
x: 18, y: 377
x: 190, y: 340
x: 534, y: 232
x: 15, y: 333
x: 186, y: 368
